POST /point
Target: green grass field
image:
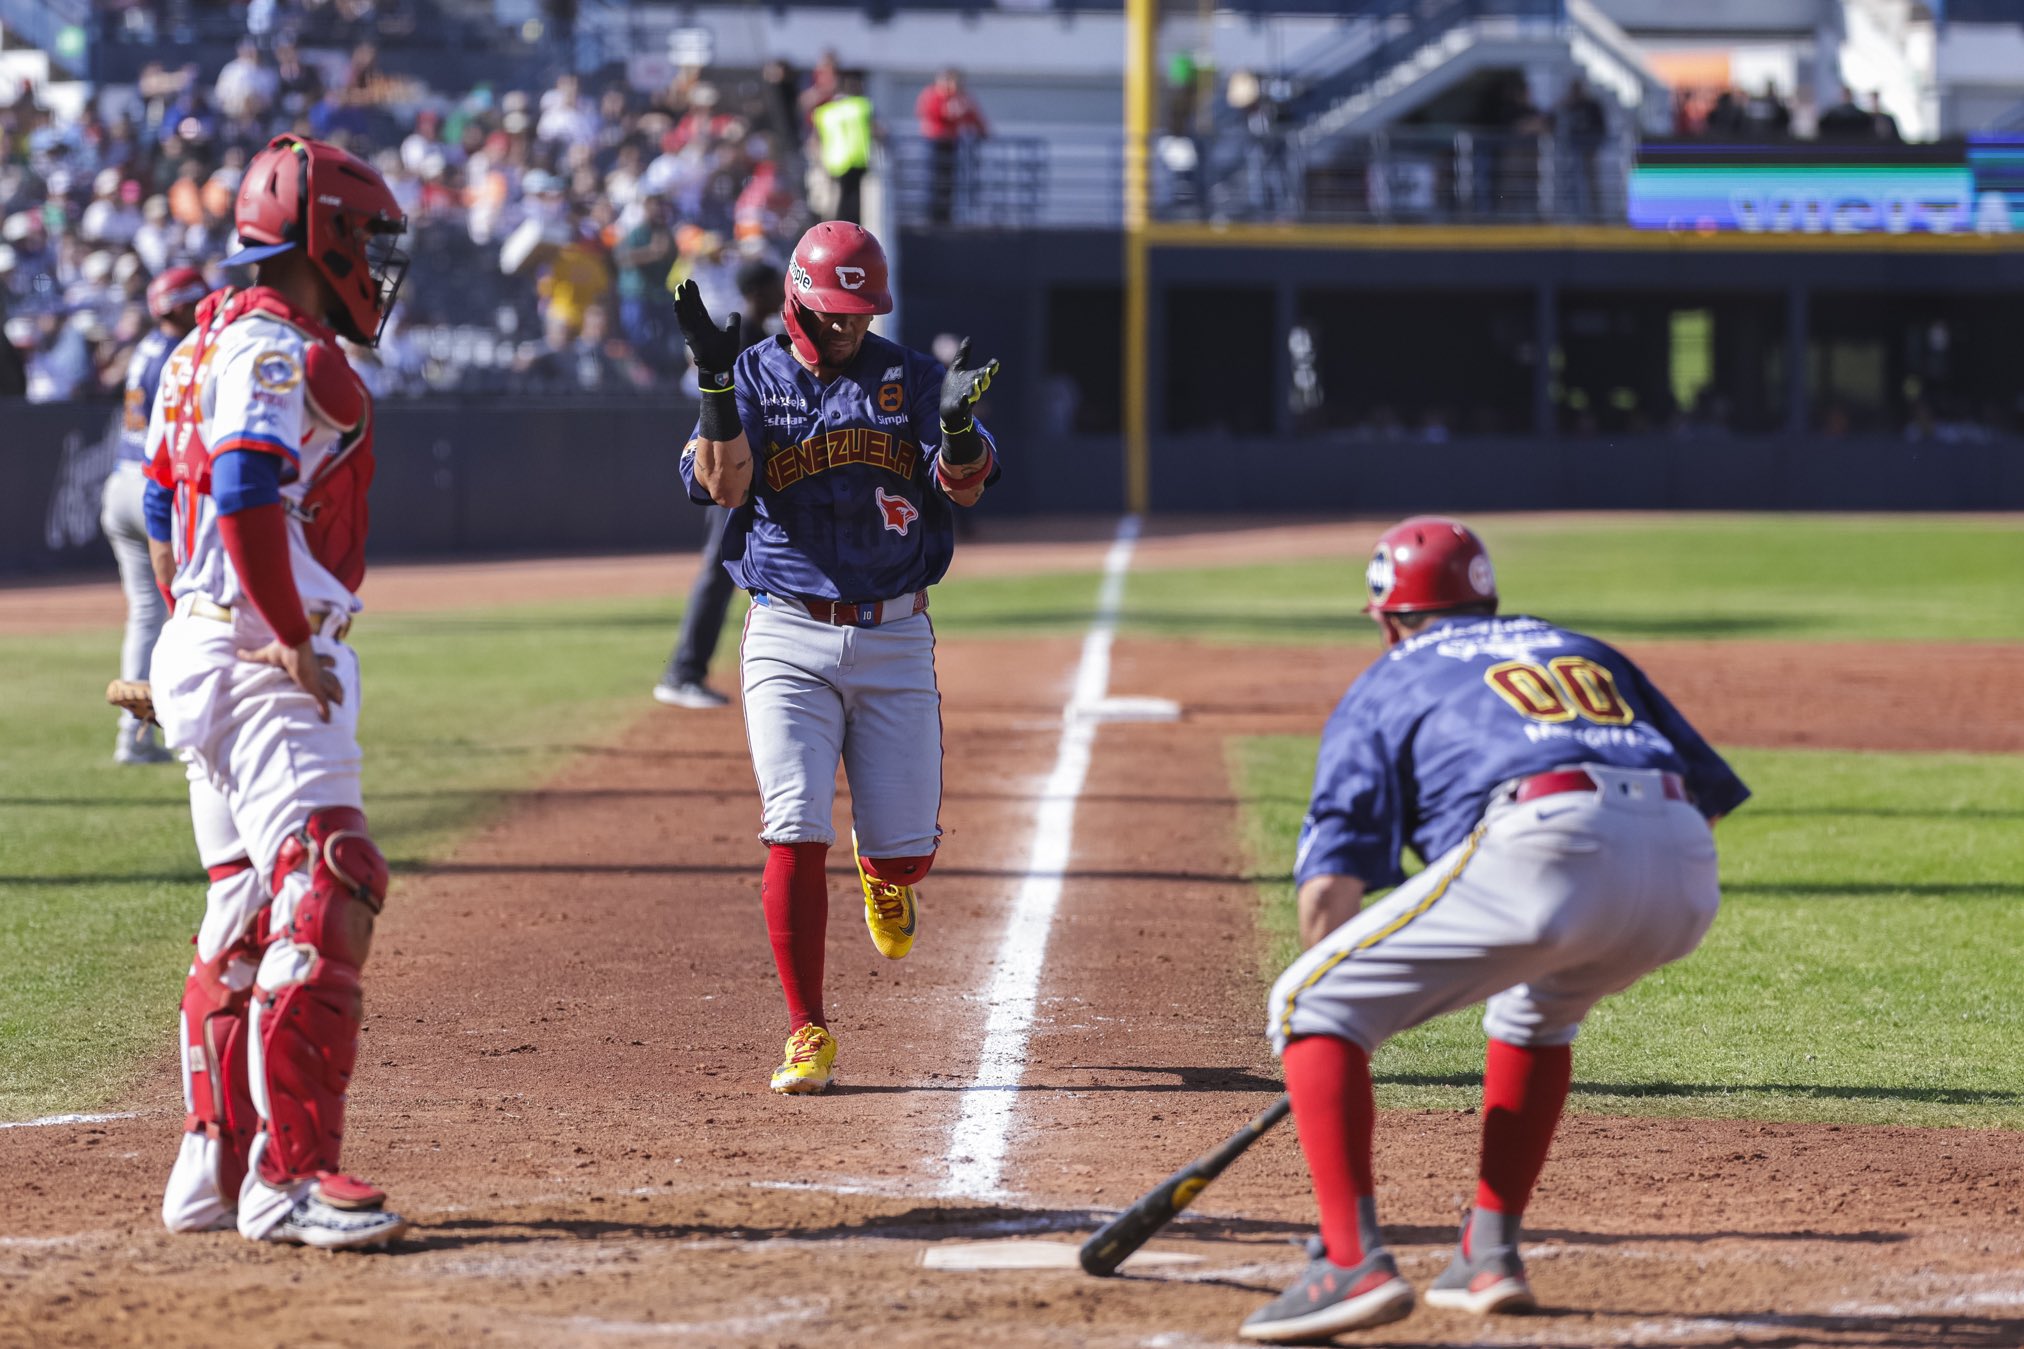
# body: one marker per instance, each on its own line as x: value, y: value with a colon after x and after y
x: 1860, y: 971
x: 1839, y: 899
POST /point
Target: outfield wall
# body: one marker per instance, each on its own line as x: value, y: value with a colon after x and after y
x: 505, y: 478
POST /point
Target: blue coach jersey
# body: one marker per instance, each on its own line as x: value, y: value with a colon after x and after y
x: 143, y: 375
x: 1422, y: 738
x: 844, y: 500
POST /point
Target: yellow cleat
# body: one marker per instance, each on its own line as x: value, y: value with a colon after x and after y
x: 891, y: 912
x: 810, y: 1065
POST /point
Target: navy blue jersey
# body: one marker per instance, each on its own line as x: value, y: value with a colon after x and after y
x: 844, y: 500
x: 143, y: 375
x: 1422, y: 738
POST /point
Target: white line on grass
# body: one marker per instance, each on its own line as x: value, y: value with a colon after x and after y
x: 48, y: 1121
x: 975, y: 1163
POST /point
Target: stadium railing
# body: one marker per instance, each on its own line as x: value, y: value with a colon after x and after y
x: 1405, y: 175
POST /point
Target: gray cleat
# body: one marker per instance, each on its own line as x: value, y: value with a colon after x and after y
x: 1328, y: 1299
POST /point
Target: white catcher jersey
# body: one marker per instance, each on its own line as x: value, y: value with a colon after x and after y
x: 253, y: 394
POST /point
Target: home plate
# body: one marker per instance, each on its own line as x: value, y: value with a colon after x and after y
x: 1130, y: 709
x: 1032, y: 1255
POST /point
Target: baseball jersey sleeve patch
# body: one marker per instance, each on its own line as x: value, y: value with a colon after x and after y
x: 277, y: 371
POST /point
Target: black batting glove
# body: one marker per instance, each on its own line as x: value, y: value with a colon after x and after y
x: 962, y: 386
x: 715, y: 349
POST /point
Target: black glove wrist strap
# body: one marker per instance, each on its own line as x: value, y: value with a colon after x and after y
x: 720, y: 408
x: 962, y: 447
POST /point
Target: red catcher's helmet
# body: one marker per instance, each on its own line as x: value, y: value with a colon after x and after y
x: 300, y: 193
x: 1426, y: 564
x: 837, y: 268
x: 175, y: 288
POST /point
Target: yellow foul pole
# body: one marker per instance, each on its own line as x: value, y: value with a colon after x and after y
x: 1141, y: 32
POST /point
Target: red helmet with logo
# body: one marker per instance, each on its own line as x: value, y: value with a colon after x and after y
x: 1429, y: 563
x: 301, y: 193
x: 175, y: 288
x: 837, y: 268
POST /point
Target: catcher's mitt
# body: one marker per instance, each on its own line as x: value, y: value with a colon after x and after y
x: 132, y: 696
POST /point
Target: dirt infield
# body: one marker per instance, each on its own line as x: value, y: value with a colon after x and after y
x: 571, y: 1020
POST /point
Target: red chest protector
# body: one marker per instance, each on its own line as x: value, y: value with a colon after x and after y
x: 333, y: 506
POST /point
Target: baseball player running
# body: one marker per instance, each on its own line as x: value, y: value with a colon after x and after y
x: 1564, y: 809
x: 261, y: 447
x: 843, y: 453
x: 172, y: 300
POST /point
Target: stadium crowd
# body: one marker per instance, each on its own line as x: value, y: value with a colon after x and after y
x: 549, y: 227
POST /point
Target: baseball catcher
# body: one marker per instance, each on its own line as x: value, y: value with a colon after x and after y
x: 844, y: 454
x: 1564, y: 809
x: 260, y: 455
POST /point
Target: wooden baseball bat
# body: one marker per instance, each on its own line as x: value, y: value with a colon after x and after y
x: 1133, y: 1228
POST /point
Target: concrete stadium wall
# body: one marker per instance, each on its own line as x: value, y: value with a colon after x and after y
x: 544, y: 478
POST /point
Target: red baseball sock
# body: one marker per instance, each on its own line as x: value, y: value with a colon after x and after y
x: 1523, y: 1091
x: 1335, y: 1112
x: 795, y: 894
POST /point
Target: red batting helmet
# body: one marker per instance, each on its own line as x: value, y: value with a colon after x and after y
x: 1426, y: 564
x: 340, y: 212
x: 175, y: 288
x: 837, y: 268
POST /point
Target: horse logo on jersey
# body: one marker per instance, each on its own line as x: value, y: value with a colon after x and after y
x: 898, y: 511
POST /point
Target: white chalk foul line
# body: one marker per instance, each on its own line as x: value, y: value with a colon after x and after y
x: 975, y: 1163
x: 49, y: 1121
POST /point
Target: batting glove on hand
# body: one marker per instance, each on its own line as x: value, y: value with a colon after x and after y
x: 962, y: 387
x: 715, y: 348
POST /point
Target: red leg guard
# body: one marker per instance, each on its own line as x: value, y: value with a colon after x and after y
x: 898, y: 870
x: 1524, y: 1089
x: 215, y: 1085
x: 795, y: 893
x: 329, y: 883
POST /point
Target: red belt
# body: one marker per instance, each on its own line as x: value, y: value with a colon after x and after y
x: 870, y: 614
x: 1578, y: 780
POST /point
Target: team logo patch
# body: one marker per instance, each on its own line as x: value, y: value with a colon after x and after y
x: 898, y: 511
x: 890, y: 396
x: 802, y: 279
x: 1481, y: 577
x: 1381, y: 575
x: 850, y: 278
x: 892, y: 373
x: 276, y: 371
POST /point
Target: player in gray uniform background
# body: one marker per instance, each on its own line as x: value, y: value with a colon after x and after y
x: 1563, y: 807
x: 172, y: 299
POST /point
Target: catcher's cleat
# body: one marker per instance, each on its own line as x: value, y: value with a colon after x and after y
x: 339, y: 1214
x: 891, y: 912
x: 1329, y: 1299
x: 1492, y: 1279
x: 810, y: 1065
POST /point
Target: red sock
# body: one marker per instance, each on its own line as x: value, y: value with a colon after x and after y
x: 1335, y: 1112
x: 795, y: 894
x: 1523, y: 1091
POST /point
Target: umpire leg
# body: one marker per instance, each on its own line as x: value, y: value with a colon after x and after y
x: 709, y: 600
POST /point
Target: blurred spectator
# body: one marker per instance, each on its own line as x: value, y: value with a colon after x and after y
x: 825, y: 81
x: 845, y: 130
x: 1768, y: 115
x: 1846, y: 121
x: 1580, y: 127
x: 577, y: 280
x: 1511, y: 124
x: 1727, y: 118
x: 299, y: 86
x: 246, y: 88
x: 949, y: 118
x: 644, y: 255
x: 1885, y: 124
